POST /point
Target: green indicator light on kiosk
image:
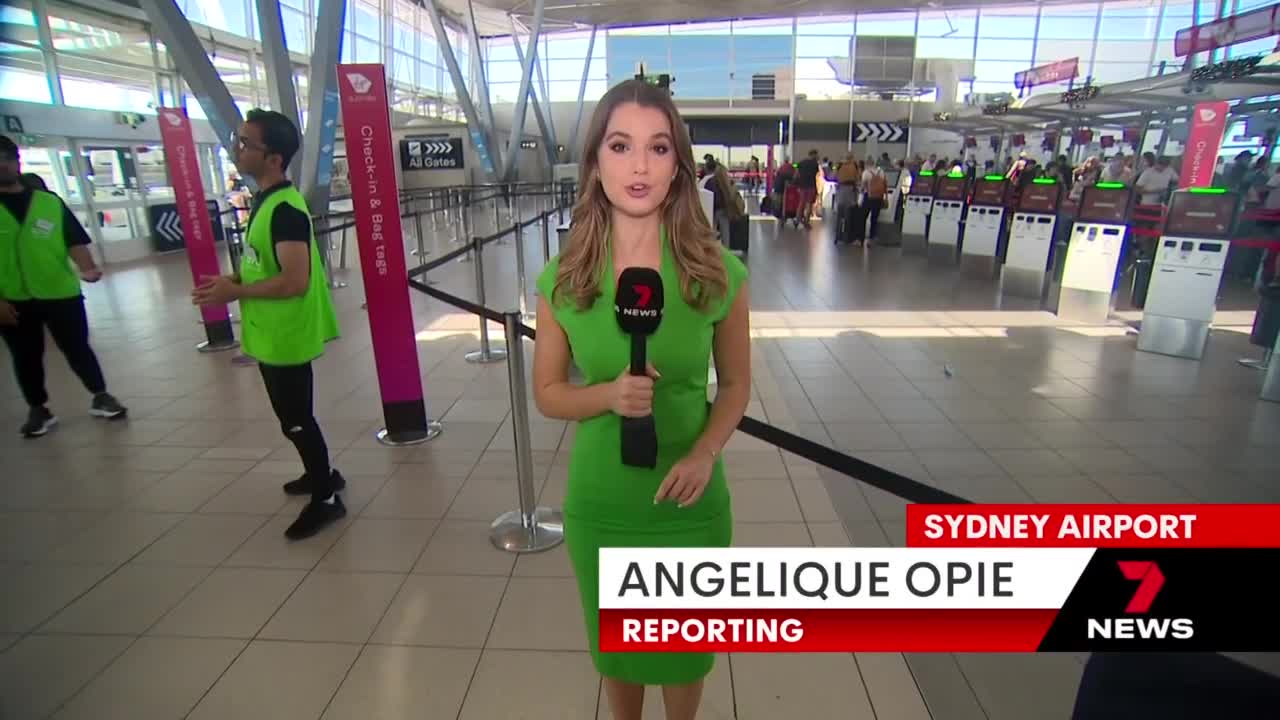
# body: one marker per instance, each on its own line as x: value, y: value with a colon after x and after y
x: 1044, y: 181
x: 926, y: 173
x: 993, y: 177
x: 1110, y: 185
x: 955, y: 174
x: 1207, y: 191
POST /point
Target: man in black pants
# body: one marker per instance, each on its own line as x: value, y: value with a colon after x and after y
x: 39, y: 239
x: 285, y: 310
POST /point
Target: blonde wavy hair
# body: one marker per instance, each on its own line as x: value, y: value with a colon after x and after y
x: 696, y: 251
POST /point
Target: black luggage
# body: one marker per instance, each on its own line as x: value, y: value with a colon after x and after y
x: 740, y: 234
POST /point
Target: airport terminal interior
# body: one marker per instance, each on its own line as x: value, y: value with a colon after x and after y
x: 969, y: 336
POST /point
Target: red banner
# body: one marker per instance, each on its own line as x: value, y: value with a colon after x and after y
x: 1159, y: 525
x: 1227, y: 31
x: 193, y: 213
x: 1208, y: 122
x: 366, y: 121
x: 1047, y: 74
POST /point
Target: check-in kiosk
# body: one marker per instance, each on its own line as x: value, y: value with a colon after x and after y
x: 944, y: 221
x: 1029, y: 255
x: 1186, y: 272
x: 1093, y: 253
x: 984, y: 225
x: 889, y: 215
x: 915, y: 216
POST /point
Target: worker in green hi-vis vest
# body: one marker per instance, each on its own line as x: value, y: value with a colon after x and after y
x: 40, y: 239
x: 285, y: 310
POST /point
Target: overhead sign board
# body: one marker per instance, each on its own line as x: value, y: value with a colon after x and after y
x: 1047, y: 74
x: 431, y: 152
x: 1227, y: 31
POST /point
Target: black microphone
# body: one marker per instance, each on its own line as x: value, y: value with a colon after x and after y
x: 638, y: 305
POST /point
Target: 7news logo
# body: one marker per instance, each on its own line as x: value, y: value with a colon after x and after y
x: 1150, y: 580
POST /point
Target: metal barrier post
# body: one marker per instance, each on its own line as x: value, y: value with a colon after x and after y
x: 464, y: 222
x: 485, y: 354
x: 342, y: 251
x: 334, y: 283
x: 497, y: 214
x: 530, y: 528
x: 422, y: 251
x: 546, y: 237
x: 520, y: 272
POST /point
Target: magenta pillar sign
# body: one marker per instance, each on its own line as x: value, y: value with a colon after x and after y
x: 192, y: 215
x: 366, y: 123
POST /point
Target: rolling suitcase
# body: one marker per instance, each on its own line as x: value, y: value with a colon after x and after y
x: 740, y: 234
x: 791, y: 204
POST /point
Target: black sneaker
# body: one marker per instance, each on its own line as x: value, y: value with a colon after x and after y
x: 315, y: 517
x: 106, y: 406
x: 39, y: 421
x: 302, y: 486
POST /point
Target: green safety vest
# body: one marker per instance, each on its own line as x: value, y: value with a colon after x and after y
x: 283, y: 331
x: 34, y: 264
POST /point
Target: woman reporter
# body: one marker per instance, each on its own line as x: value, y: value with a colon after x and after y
x: 639, y: 207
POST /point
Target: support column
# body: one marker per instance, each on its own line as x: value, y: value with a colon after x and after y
x: 275, y: 56
x: 522, y: 97
x: 582, y: 95
x: 41, y: 12
x: 322, y: 106
x: 474, y: 126
x: 548, y: 137
x: 482, y: 87
x: 188, y: 53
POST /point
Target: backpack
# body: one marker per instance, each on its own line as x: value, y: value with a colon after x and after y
x: 878, y: 186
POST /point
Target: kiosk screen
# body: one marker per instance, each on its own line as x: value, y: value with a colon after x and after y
x: 1201, y: 214
x: 990, y: 191
x: 923, y: 183
x: 1040, y: 197
x: 950, y: 188
x: 1105, y: 203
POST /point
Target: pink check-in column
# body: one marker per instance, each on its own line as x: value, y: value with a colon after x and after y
x: 366, y: 124
x: 194, y: 222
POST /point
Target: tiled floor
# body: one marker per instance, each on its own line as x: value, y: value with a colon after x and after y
x: 146, y: 577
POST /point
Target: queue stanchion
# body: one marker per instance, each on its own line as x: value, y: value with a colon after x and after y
x: 520, y: 269
x: 529, y: 528
x: 334, y: 283
x: 342, y: 250
x: 464, y: 222
x: 485, y: 354
x: 546, y: 237
x: 497, y: 213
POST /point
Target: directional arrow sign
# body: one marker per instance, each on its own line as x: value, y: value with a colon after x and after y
x: 431, y: 152
x: 882, y: 132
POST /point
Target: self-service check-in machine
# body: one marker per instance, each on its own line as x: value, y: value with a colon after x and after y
x: 1028, y: 257
x: 1186, y: 272
x: 984, y: 225
x: 915, y: 216
x: 889, y: 215
x: 1093, y: 253
x: 944, y: 221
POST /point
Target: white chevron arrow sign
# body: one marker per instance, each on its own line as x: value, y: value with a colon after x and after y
x: 882, y: 132
x: 170, y: 227
x: 435, y: 147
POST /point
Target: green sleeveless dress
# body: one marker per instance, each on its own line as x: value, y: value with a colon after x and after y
x: 609, y: 504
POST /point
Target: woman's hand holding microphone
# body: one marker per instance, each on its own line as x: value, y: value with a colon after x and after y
x: 632, y: 395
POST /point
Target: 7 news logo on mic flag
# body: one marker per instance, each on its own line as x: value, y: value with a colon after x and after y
x: 974, y: 578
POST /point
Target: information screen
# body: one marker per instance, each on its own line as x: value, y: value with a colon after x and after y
x: 923, y: 184
x: 1193, y: 214
x: 1105, y: 205
x: 990, y: 192
x: 1041, y: 198
x: 950, y: 188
